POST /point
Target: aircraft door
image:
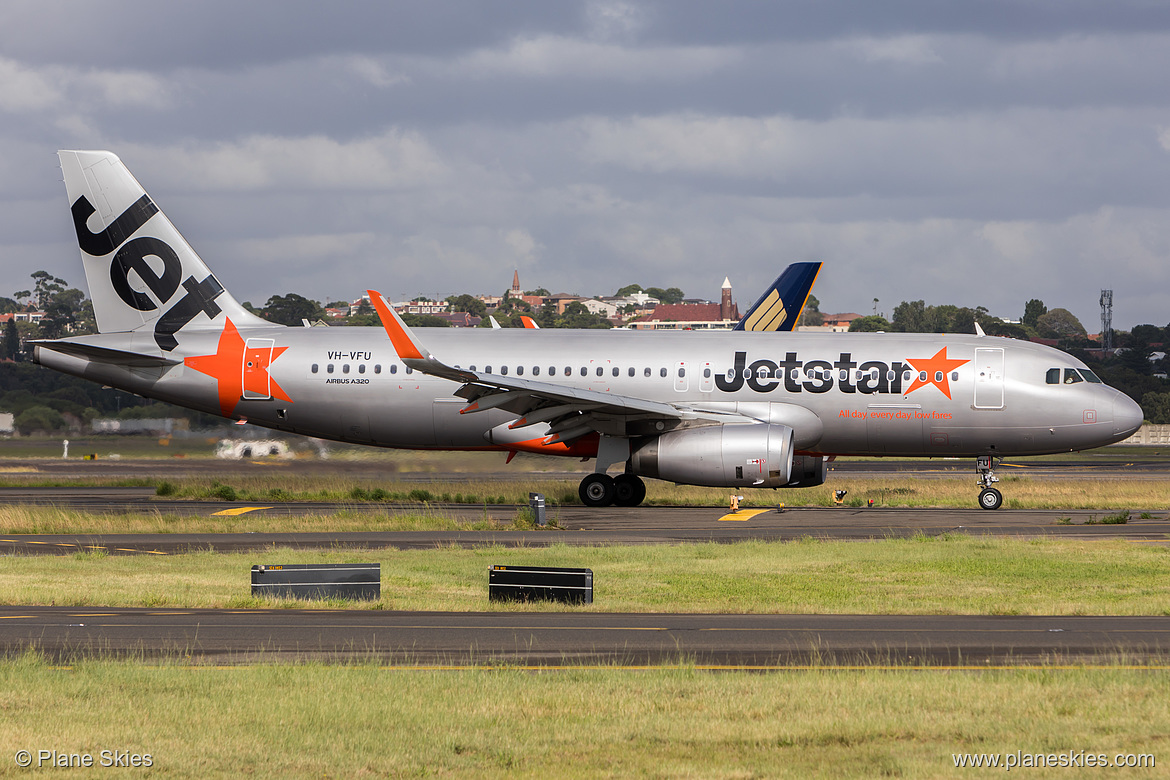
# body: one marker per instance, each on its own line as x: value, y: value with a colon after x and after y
x: 255, y: 381
x: 989, y: 378
x: 681, y: 381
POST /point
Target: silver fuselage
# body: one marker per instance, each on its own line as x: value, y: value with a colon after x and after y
x: 844, y: 394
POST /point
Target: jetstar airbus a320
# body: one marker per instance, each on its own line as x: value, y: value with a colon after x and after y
x: 726, y: 409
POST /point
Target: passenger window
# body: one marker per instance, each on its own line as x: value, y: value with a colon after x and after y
x: 377, y: 368
x: 584, y: 371
x: 662, y: 373
x: 519, y: 370
x: 706, y: 373
x: 795, y: 373
x: 568, y: 371
x: 646, y: 373
x: 362, y: 368
x: 314, y: 368
x: 329, y: 369
x: 536, y: 370
x: 345, y: 369
x: 922, y: 376
x: 471, y: 368
x: 906, y: 376
x: 600, y: 370
x: 409, y: 370
x: 682, y: 372
x: 487, y: 369
x: 394, y: 368
x: 1071, y: 377
x: 616, y: 371
x: 1053, y: 376
x: 631, y: 371
x: 954, y: 376
x: 762, y: 372
x: 503, y: 370
x: 938, y: 376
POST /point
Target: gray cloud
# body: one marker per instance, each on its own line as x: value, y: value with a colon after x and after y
x: 977, y: 154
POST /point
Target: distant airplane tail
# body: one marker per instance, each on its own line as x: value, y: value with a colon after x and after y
x: 780, y: 306
x: 142, y: 273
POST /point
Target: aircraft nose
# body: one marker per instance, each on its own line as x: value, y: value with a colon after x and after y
x: 1127, y: 415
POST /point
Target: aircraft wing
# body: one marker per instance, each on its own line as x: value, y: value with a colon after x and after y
x: 570, y: 411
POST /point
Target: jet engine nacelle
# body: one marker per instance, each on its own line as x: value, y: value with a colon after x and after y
x: 808, y: 471
x: 719, y: 456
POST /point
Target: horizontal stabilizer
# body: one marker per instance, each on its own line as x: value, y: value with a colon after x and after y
x: 116, y: 357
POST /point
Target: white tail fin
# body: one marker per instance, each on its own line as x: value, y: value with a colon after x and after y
x: 141, y: 272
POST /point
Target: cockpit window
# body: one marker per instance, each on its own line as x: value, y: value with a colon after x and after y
x: 1089, y: 375
x: 1071, y: 377
x: 1053, y: 376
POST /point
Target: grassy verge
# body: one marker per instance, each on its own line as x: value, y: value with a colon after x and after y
x: 954, y: 574
x: 369, y: 518
x: 350, y: 721
x: 893, y: 491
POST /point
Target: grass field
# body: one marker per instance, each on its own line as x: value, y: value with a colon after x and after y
x: 896, y: 491
x: 954, y: 574
x: 356, y: 721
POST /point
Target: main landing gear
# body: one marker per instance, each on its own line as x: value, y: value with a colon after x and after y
x: 989, y: 497
x: 603, y: 490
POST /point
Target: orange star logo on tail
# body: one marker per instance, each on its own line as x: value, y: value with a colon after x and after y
x: 937, y: 369
x: 239, y: 368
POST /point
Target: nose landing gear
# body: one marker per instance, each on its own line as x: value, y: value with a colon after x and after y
x: 989, y: 497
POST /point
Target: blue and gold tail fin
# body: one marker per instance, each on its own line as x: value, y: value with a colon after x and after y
x: 779, y: 307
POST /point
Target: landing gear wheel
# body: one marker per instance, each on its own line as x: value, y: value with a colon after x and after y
x: 629, y: 490
x: 597, y: 490
x: 990, y: 498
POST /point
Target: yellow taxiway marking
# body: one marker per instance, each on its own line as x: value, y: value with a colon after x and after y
x: 93, y: 614
x: 16, y: 617
x: 743, y: 514
x: 238, y: 511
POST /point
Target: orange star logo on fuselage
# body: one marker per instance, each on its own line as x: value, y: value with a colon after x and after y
x: 235, y: 376
x: 937, y: 369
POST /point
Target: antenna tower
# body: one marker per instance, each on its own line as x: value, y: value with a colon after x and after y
x: 1107, y: 320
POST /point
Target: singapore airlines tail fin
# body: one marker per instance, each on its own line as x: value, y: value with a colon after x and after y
x: 142, y: 274
x: 780, y: 306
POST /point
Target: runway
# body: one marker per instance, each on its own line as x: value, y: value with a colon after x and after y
x: 559, y: 639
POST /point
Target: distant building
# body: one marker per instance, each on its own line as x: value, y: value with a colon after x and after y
x: 23, y: 316
x: 7, y: 423
x: 151, y: 426
x: 833, y: 323
x: 421, y: 307
x: 460, y: 319
x: 692, y: 316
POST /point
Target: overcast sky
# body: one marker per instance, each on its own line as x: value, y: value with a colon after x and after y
x: 973, y: 153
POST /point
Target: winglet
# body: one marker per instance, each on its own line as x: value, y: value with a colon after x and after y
x: 529, y: 323
x: 401, y: 336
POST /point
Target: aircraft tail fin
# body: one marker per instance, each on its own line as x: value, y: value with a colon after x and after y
x: 142, y: 274
x: 780, y: 306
